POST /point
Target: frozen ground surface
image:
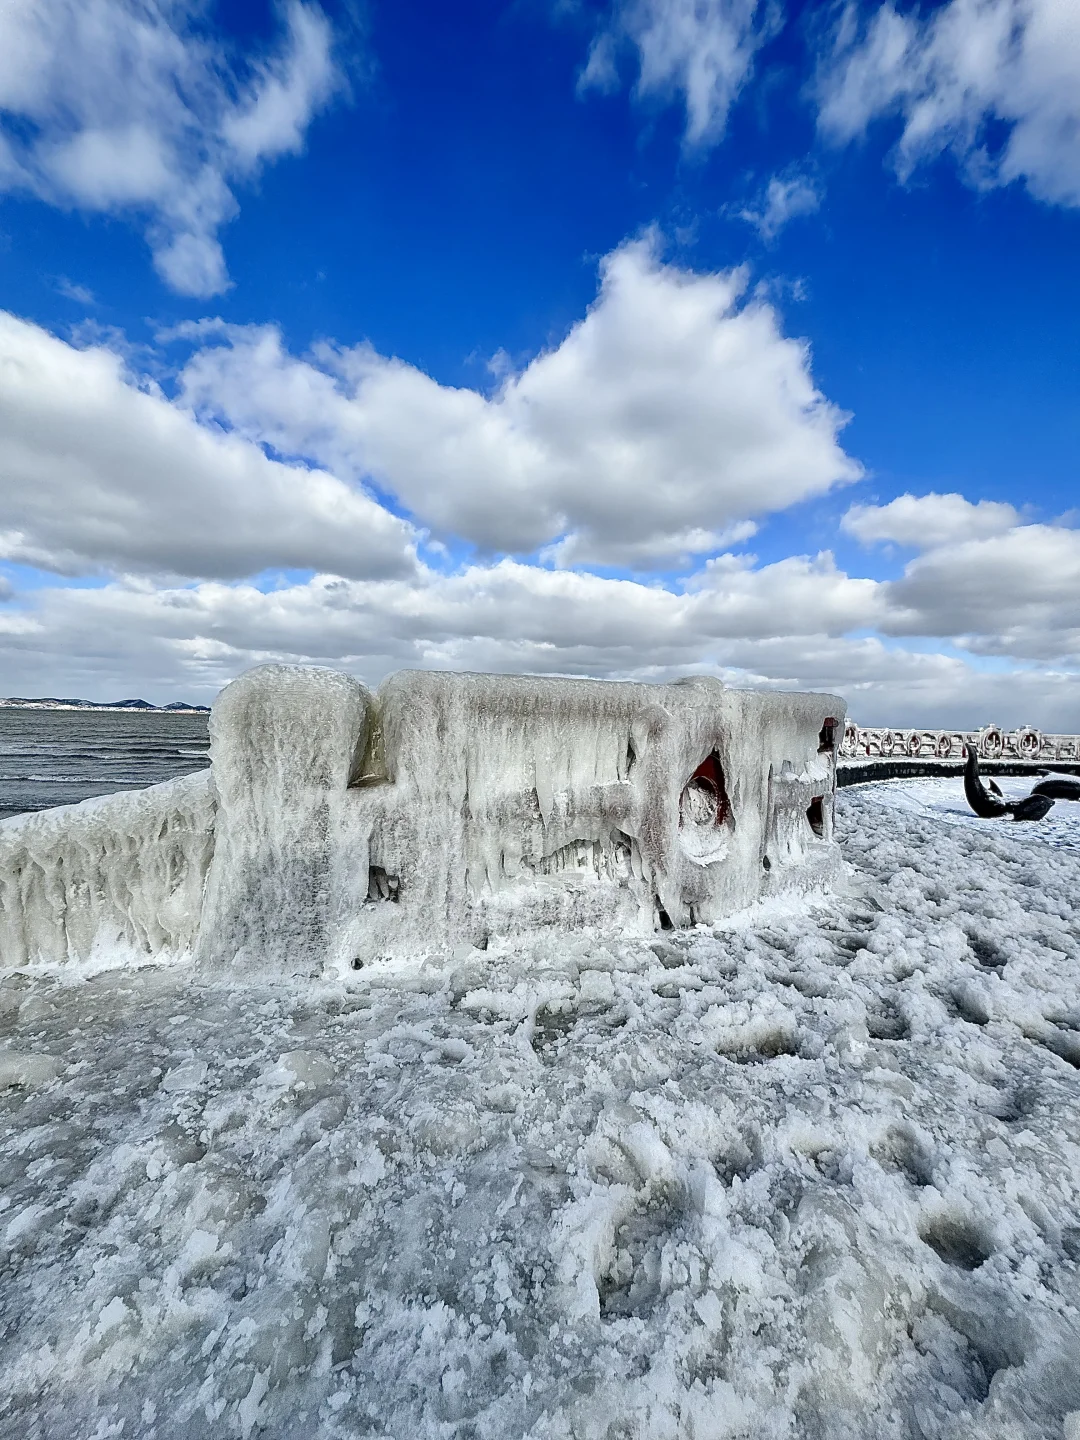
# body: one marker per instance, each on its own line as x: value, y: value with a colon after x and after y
x: 815, y: 1174
x: 944, y: 799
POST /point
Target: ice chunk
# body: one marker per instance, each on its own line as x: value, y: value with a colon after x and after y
x: 185, y: 1077
x: 27, y: 1069
x: 307, y: 1068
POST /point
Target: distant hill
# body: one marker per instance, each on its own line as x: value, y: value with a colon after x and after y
x: 52, y: 702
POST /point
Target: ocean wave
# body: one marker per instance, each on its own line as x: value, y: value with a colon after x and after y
x: 71, y: 780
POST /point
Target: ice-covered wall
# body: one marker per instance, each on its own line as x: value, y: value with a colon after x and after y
x: 339, y: 826
x: 119, y: 877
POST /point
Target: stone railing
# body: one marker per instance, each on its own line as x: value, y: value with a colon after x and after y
x: 991, y: 743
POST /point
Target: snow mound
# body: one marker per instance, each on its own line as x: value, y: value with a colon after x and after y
x: 813, y: 1171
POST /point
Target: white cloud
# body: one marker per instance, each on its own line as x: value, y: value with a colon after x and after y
x: 116, y: 105
x: 956, y: 73
x: 779, y: 625
x: 507, y: 616
x: 926, y: 521
x: 642, y: 439
x: 670, y: 413
x: 985, y: 582
x: 701, y: 50
x: 785, y: 198
x: 81, y: 294
x: 270, y: 120
x: 99, y: 474
x: 676, y: 552
x: 1014, y: 594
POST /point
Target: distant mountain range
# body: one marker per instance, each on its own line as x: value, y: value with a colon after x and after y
x: 50, y: 702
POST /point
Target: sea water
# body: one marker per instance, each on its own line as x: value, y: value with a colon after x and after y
x: 59, y: 757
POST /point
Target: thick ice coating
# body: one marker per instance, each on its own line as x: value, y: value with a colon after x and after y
x: 285, y: 742
x: 120, y: 877
x: 443, y: 810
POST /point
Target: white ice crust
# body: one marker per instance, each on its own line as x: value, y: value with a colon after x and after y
x: 118, y: 879
x: 338, y: 827
x: 811, y: 1173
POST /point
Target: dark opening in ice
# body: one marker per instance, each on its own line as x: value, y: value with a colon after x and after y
x: 382, y: 886
x: 815, y: 813
x: 704, y: 800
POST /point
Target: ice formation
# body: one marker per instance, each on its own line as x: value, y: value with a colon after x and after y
x: 337, y: 826
x: 116, y: 878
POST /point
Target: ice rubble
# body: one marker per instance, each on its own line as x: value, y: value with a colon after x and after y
x: 813, y: 1172
x: 445, y: 809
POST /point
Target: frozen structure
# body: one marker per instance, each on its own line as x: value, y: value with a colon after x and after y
x: 337, y: 826
x: 990, y: 743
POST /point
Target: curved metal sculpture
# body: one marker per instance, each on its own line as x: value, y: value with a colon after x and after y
x: 994, y: 807
x: 1058, y: 787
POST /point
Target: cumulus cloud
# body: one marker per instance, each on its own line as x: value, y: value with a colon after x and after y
x: 958, y: 74
x: 508, y: 616
x: 984, y: 581
x: 674, y: 552
x: 785, y: 198
x: 97, y: 473
x: 644, y: 438
x: 1014, y: 594
x: 673, y: 411
x: 781, y: 626
x: 701, y: 51
x: 925, y: 521
x: 126, y: 105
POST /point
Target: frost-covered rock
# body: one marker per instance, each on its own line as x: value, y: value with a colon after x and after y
x: 339, y: 827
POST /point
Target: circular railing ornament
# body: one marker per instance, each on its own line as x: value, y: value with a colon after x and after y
x: 1028, y: 743
x: 849, y: 746
x: 990, y: 742
x: 1025, y: 743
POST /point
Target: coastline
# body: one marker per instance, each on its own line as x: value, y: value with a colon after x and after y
x: 130, y: 707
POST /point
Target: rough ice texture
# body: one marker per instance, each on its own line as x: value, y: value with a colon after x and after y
x: 284, y: 742
x: 486, y: 805
x: 452, y: 808
x: 812, y: 1174
x: 116, y: 878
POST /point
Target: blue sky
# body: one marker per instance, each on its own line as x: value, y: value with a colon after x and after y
x: 623, y: 339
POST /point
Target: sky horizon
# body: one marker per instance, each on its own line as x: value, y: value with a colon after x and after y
x: 629, y: 339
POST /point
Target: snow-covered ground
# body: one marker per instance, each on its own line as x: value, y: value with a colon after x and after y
x: 815, y: 1173
x: 944, y: 799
